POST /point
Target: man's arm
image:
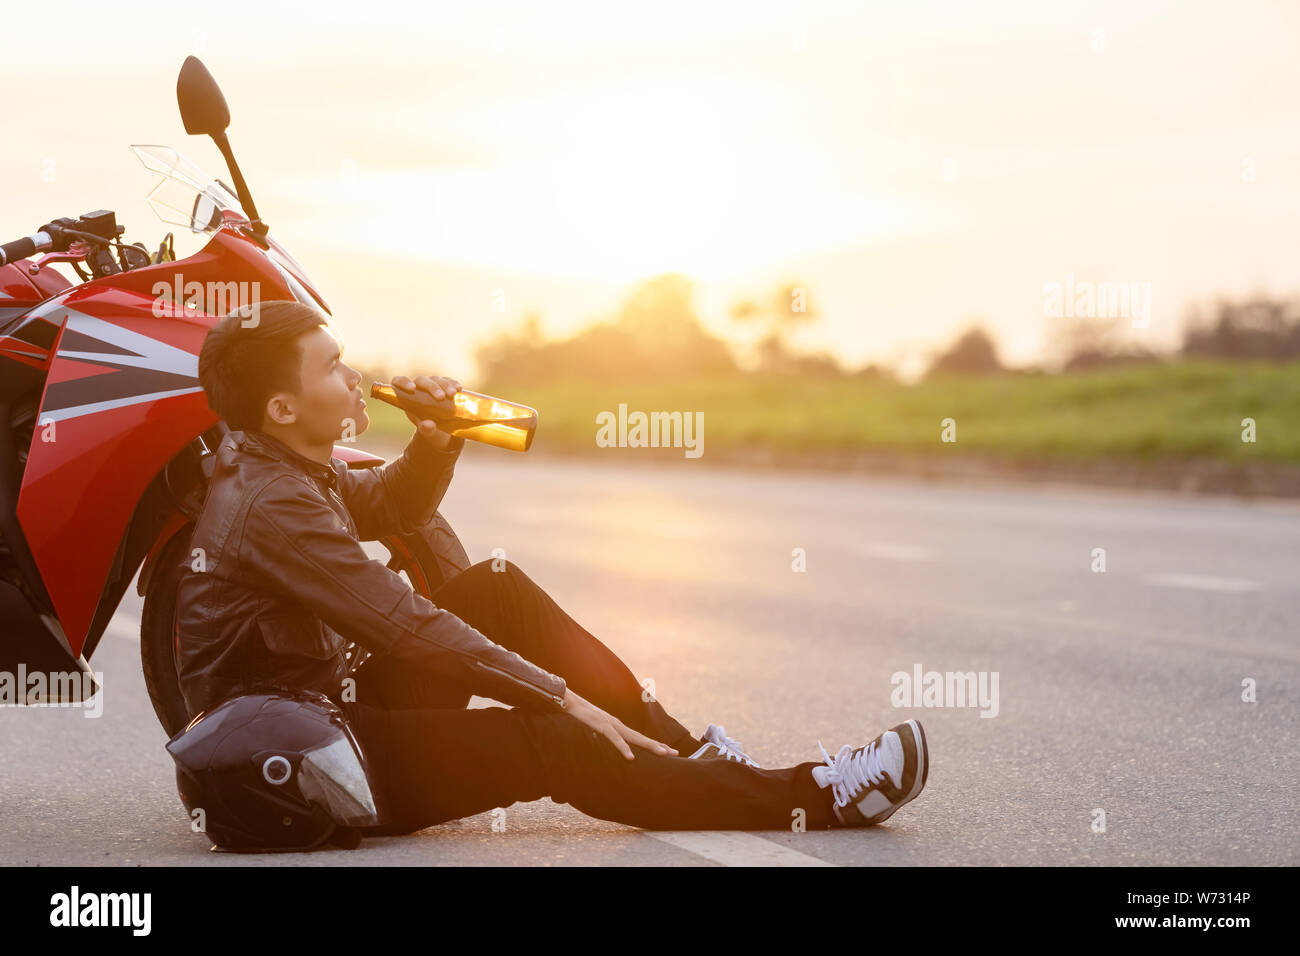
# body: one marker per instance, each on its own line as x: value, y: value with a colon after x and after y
x: 402, y: 495
x: 295, y: 545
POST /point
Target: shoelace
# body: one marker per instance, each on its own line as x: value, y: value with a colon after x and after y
x: 731, y: 748
x: 850, y: 772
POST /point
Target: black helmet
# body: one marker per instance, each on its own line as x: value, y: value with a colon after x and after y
x: 275, y: 771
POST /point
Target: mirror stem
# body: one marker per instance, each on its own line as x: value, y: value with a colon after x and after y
x: 241, y: 187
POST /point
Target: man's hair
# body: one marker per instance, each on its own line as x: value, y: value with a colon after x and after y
x: 242, y: 366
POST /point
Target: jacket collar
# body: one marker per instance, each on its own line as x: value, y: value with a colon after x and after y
x: 260, y: 441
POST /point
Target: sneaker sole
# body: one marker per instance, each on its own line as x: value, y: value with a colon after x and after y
x: 922, y: 772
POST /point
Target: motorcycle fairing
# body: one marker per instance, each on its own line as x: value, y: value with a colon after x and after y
x: 121, y: 400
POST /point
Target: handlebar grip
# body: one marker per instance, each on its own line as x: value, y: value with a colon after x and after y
x: 22, y: 248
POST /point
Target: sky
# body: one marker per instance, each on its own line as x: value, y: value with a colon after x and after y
x: 442, y: 170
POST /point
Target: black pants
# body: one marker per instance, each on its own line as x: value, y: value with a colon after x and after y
x: 436, y: 760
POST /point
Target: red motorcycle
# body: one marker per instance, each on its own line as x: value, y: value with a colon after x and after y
x: 106, y: 439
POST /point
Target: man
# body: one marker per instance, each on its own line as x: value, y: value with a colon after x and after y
x: 283, y: 586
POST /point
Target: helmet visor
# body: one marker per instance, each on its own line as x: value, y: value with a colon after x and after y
x: 333, y: 777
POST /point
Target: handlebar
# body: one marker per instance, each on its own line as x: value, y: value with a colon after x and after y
x: 27, y: 246
x: 99, y: 228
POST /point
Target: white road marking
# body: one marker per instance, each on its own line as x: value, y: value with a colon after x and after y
x: 1203, y: 582
x: 734, y: 848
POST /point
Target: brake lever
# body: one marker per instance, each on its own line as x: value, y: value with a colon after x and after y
x: 76, y: 252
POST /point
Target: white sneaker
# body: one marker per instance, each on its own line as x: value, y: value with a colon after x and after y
x: 870, y: 783
x: 718, y: 746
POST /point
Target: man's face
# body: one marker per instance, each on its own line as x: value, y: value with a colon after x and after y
x: 330, y: 402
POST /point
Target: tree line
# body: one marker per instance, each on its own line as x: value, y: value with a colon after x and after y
x: 657, y: 333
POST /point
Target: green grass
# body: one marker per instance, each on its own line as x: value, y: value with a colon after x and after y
x: 1188, y: 410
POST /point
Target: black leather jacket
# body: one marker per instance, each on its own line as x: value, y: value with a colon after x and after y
x: 277, y: 584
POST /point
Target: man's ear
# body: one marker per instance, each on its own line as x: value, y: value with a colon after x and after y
x: 280, y: 410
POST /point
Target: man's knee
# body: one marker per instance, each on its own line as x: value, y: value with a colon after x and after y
x: 482, y: 574
x: 496, y: 573
x: 494, y: 566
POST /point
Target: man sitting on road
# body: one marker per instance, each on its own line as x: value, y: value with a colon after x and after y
x: 287, y: 586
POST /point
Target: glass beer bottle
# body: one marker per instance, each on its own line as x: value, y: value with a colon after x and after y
x: 472, y: 415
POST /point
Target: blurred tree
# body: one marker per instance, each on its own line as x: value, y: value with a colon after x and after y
x: 873, y: 370
x: 656, y: 334
x: 777, y: 317
x: 973, y: 351
x: 1101, y: 342
x: 1257, y: 327
x: 517, y: 350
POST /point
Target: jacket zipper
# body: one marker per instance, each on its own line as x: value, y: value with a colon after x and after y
x: 520, y: 681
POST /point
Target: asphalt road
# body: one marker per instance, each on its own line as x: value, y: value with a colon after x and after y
x: 1118, y: 691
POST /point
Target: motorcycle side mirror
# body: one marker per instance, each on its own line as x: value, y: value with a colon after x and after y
x: 203, y: 107
x: 204, y: 110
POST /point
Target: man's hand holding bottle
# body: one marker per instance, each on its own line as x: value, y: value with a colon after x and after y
x: 440, y: 388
